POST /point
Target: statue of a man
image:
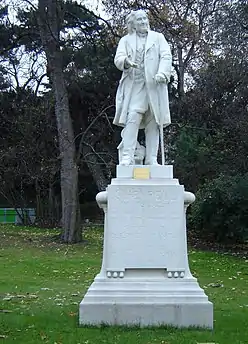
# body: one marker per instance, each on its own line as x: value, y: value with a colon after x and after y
x: 145, y: 58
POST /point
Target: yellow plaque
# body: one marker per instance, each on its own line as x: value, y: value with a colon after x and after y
x: 141, y: 173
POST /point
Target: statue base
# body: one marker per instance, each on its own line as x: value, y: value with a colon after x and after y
x: 145, y: 278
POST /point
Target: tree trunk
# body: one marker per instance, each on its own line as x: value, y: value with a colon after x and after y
x: 50, y: 20
x: 181, y: 70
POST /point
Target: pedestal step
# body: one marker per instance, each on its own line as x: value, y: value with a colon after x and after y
x: 146, y: 303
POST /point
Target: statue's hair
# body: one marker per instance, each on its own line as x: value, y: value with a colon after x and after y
x: 130, y: 18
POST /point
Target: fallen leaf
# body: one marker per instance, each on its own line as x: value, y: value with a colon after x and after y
x: 43, y: 336
x: 214, y: 285
x: 71, y: 314
x: 33, y: 296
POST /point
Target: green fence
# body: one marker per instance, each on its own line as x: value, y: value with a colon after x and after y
x: 11, y: 215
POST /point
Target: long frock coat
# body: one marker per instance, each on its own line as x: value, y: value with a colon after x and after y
x: 157, y: 59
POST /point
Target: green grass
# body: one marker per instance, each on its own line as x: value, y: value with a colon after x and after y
x: 43, y: 282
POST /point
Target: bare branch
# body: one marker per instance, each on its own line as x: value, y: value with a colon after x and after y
x: 87, y: 130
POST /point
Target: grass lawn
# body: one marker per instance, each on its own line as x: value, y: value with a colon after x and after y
x: 43, y: 282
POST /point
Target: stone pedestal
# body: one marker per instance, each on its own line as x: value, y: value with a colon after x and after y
x: 145, y: 278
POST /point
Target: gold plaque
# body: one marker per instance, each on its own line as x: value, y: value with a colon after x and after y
x: 141, y: 173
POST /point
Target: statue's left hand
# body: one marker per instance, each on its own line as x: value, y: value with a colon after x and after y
x: 160, y: 78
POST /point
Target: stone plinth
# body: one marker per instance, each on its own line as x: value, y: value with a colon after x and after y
x: 145, y: 278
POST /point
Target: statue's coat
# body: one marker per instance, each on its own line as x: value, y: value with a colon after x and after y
x: 158, y: 59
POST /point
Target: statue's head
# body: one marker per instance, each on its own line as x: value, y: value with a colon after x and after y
x: 137, y: 21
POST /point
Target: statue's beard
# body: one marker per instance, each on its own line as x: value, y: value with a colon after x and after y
x: 142, y: 31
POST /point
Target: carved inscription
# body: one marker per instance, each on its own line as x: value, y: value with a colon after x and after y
x: 145, y: 226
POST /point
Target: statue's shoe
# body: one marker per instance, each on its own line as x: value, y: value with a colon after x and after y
x: 126, y: 161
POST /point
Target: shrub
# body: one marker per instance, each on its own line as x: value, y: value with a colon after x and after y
x: 221, y: 208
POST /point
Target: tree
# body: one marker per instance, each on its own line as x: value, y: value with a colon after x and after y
x: 214, y: 137
x: 231, y: 26
x: 82, y: 37
x: 50, y: 19
x: 92, y: 72
x: 29, y: 172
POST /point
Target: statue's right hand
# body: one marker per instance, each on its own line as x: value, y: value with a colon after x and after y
x: 128, y: 63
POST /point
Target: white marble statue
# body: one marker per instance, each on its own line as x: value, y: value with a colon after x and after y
x: 145, y: 58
